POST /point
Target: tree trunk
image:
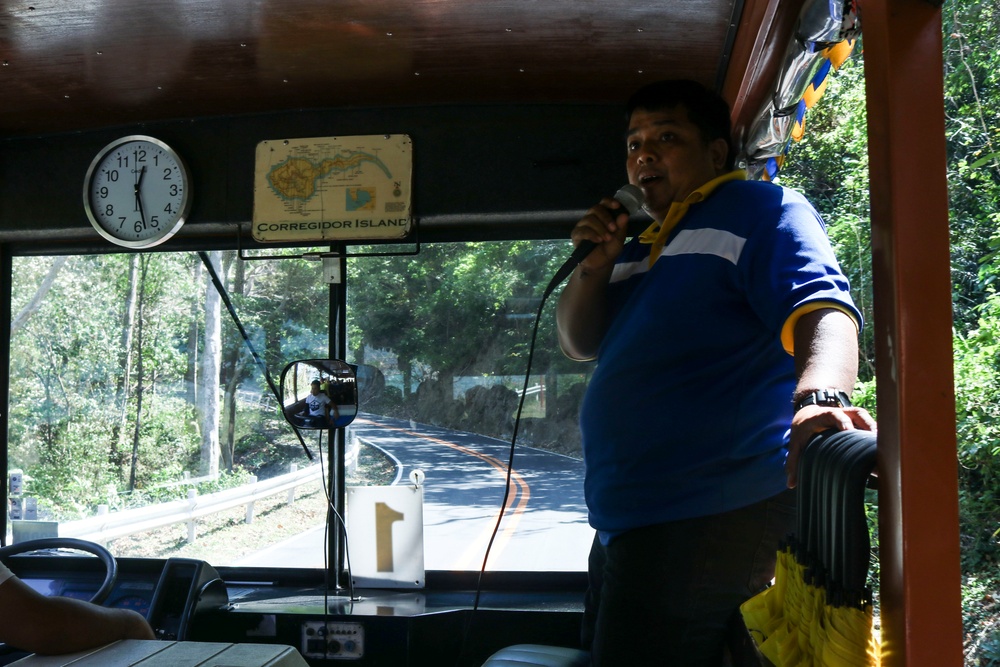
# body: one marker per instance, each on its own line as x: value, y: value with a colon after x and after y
x: 133, y: 464
x: 191, y: 376
x: 36, y: 300
x: 407, y: 369
x: 229, y: 428
x: 118, y: 438
x: 232, y: 372
x: 208, y: 389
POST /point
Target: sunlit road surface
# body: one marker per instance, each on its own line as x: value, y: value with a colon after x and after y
x: 544, y: 527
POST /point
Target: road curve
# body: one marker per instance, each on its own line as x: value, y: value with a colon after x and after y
x: 544, y: 527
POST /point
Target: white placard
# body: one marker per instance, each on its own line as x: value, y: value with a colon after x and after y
x: 385, y: 535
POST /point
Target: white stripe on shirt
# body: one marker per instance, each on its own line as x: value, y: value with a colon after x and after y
x: 626, y: 270
x: 716, y: 242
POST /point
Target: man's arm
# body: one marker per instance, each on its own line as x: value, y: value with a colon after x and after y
x: 582, y: 313
x: 54, y: 625
x: 826, y: 357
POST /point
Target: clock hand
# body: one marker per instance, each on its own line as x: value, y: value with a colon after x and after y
x: 138, y: 198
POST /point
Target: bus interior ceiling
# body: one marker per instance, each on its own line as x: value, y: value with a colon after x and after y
x: 513, y: 107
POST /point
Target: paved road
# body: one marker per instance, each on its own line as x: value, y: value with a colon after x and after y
x: 545, y: 524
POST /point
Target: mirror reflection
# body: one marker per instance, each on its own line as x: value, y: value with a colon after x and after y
x: 319, y: 393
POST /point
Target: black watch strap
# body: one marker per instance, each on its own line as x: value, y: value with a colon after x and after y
x: 833, y: 398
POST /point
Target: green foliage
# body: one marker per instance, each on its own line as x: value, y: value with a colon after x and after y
x: 168, y: 444
x: 864, y: 396
x: 972, y: 63
x: 977, y: 371
x: 107, y: 331
x: 830, y: 166
x: 981, y: 605
x: 874, y: 567
x: 457, y: 309
x: 65, y: 491
x: 284, y: 306
x: 972, y: 108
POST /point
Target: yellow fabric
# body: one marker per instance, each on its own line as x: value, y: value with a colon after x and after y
x: 794, y: 626
x: 788, y: 329
x: 839, y: 52
x: 799, y: 129
x: 656, y: 234
x: 813, y: 94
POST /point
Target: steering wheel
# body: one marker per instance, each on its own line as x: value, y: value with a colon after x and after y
x: 110, y: 564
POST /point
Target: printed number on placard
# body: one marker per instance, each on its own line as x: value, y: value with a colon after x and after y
x: 385, y: 516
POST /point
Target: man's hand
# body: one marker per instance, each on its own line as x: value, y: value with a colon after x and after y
x: 57, y: 625
x: 605, y: 224
x: 133, y: 625
x: 814, y: 419
x: 581, y: 316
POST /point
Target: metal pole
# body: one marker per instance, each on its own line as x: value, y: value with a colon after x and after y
x: 336, y: 476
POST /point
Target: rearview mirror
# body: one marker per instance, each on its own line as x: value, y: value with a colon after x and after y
x: 319, y: 393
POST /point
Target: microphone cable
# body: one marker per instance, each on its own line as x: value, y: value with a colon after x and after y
x: 631, y: 198
x: 510, y: 469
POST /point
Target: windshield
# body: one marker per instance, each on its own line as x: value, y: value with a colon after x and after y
x: 139, y: 416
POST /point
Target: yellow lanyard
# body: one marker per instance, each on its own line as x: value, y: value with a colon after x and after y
x: 656, y: 234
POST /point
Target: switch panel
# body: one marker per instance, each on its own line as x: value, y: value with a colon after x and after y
x: 333, y: 640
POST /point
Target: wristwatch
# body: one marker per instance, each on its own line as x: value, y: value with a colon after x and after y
x: 833, y: 398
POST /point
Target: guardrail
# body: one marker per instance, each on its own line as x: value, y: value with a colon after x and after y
x: 185, y: 481
x: 110, y: 526
x: 105, y: 527
x: 532, y: 390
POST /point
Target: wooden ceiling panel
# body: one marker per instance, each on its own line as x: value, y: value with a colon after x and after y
x: 79, y: 64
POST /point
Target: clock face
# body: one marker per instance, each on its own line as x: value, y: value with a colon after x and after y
x: 137, y: 192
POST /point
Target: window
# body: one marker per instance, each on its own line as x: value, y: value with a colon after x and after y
x: 133, y: 394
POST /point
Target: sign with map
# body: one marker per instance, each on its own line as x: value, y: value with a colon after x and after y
x: 333, y: 188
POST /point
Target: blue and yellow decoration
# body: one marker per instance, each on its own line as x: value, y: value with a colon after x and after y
x: 826, y: 34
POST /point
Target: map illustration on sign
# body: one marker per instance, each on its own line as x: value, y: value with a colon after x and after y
x: 360, y: 199
x: 333, y: 188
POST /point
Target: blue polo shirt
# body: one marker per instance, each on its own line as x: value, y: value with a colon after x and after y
x: 688, y: 411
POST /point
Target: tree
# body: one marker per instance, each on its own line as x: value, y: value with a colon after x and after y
x: 35, y: 302
x: 235, y: 363
x: 191, y: 375
x: 140, y: 375
x: 972, y: 108
x: 125, y: 362
x: 211, y: 362
x: 830, y: 167
x: 459, y: 309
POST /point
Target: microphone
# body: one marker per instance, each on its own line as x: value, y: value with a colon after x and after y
x: 632, y: 199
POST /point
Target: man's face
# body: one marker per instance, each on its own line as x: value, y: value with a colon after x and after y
x: 314, y: 390
x: 667, y: 157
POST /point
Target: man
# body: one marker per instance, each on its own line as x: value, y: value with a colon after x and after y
x: 54, y: 625
x: 319, y: 405
x: 709, y: 328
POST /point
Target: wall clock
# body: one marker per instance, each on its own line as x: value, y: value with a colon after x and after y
x: 137, y: 193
